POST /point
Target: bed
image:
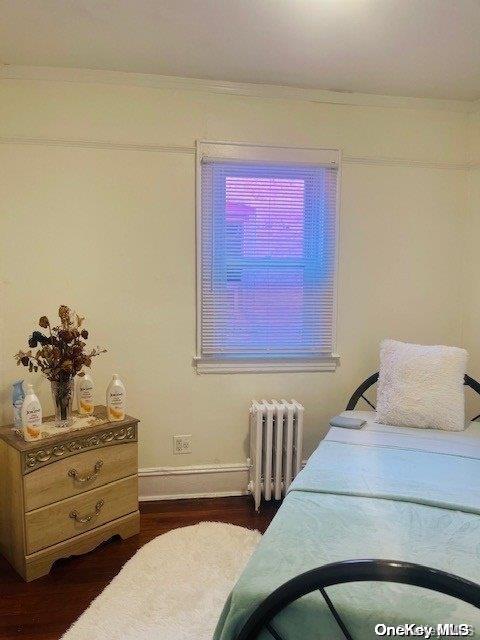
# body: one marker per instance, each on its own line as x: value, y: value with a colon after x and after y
x: 411, y: 495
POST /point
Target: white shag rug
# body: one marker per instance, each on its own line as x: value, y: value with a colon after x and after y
x: 173, y: 588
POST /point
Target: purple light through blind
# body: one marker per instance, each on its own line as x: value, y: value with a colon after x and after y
x: 265, y: 262
x: 268, y: 214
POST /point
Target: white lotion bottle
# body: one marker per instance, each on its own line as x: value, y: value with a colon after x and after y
x: 31, y: 415
x: 85, y: 391
x: 116, y: 400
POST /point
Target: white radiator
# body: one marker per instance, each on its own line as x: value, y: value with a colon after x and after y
x: 276, y: 436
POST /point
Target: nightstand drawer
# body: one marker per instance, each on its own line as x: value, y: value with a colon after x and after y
x: 71, y: 517
x: 79, y: 473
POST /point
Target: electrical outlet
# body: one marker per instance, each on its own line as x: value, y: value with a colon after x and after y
x: 182, y: 444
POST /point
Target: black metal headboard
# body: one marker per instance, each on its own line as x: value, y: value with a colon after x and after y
x: 366, y: 384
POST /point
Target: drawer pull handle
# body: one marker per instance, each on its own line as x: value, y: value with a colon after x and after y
x: 73, y: 473
x: 98, y: 507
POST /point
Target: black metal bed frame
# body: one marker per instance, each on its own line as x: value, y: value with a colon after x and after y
x: 353, y: 571
x: 371, y: 380
x: 357, y: 570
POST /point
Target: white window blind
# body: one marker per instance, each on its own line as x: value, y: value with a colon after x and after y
x: 267, y: 263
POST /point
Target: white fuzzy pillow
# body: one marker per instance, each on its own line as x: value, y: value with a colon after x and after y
x: 421, y: 386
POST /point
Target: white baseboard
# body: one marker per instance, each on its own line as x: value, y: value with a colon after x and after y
x: 201, y: 481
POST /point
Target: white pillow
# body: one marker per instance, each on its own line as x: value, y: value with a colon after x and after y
x: 421, y: 386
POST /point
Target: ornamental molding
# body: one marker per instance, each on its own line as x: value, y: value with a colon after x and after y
x: 243, y: 89
x: 33, y: 460
x: 190, y: 151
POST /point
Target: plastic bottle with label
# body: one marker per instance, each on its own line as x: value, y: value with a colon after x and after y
x: 85, y: 392
x: 116, y: 398
x: 31, y: 415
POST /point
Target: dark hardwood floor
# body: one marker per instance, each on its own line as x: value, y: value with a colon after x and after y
x: 45, y: 608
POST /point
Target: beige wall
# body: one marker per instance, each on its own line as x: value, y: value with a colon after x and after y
x: 472, y: 250
x: 110, y: 231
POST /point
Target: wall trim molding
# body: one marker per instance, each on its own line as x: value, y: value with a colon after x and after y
x: 97, y: 144
x: 233, y: 467
x: 196, y: 481
x: 406, y: 162
x: 190, y: 496
x: 185, y: 150
x: 269, y: 91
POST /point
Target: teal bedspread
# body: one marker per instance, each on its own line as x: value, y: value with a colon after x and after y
x: 357, y: 500
x: 434, y: 479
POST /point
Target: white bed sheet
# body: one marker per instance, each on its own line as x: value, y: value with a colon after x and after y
x: 459, y: 443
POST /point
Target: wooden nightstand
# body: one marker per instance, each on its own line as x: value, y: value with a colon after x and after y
x: 63, y: 496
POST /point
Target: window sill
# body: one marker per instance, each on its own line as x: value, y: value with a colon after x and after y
x: 205, y: 365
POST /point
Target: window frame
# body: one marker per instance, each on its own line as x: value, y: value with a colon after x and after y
x: 241, y: 151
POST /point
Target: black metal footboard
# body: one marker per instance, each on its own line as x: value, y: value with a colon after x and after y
x: 347, y: 571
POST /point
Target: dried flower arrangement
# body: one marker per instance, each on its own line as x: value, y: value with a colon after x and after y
x: 60, y: 356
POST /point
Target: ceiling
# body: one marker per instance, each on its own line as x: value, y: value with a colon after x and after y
x: 421, y: 48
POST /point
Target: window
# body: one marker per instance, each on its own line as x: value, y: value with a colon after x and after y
x: 267, y: 237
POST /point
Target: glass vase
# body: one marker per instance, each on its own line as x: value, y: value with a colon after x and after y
x: 62, y: 394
